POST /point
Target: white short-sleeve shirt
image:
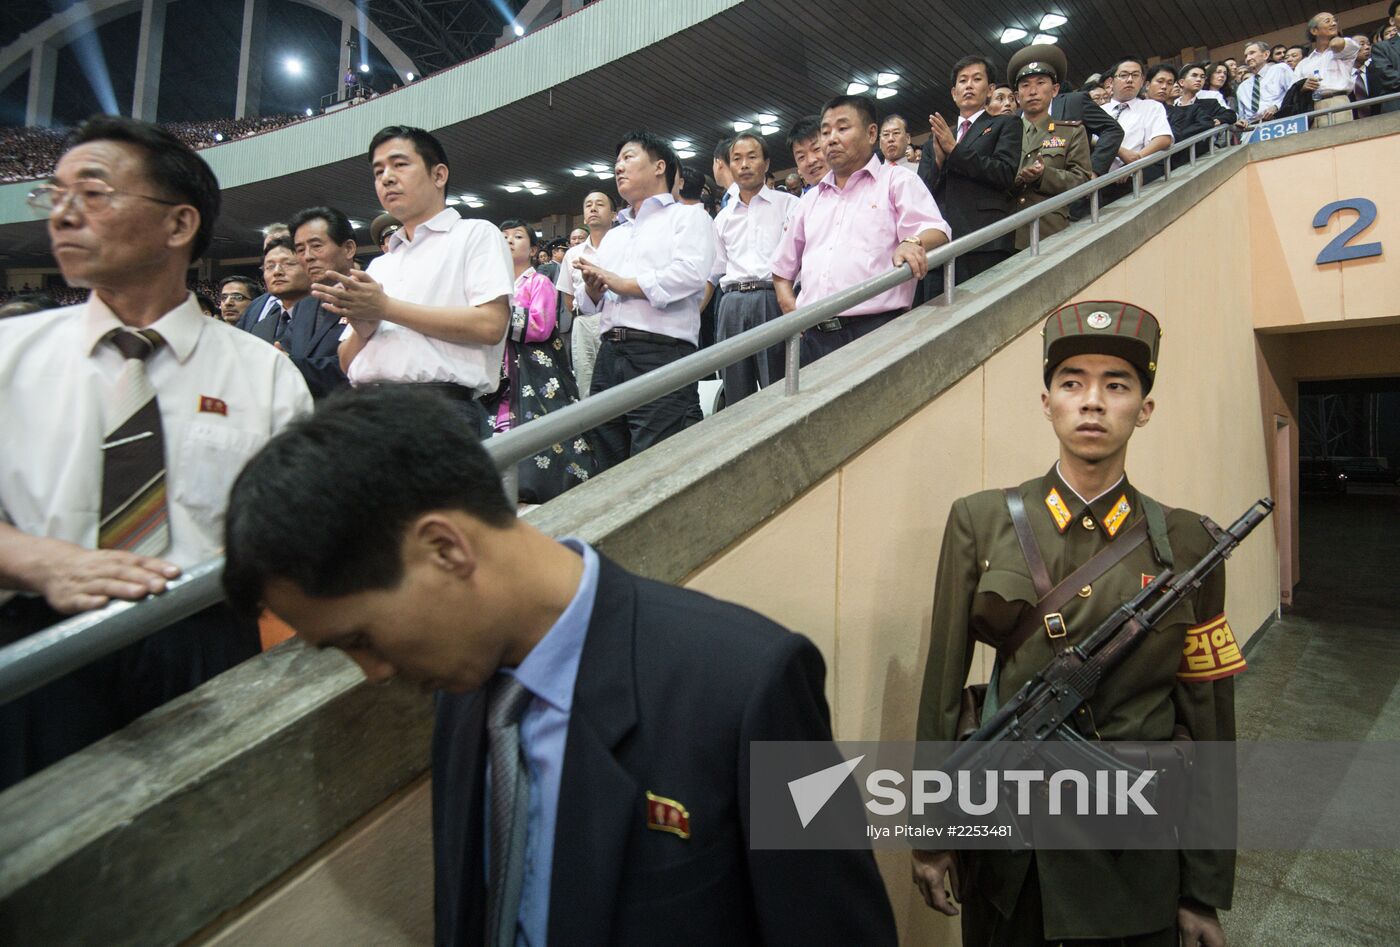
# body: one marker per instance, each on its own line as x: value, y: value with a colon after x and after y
x: 222, y: 393
x: 451, y: 261
x: 1142, y: 121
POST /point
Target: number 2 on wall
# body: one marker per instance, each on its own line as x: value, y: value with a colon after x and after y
x: 1337, y: 250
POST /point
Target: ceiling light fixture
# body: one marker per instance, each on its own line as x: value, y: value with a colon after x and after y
x: 530, y: 183
x: 1012, y: 35
x: 519, y: 30
x: 470, y: 197
x: 364, y: 67
x: 885, y: 93
x: 579, y: 172
x: 685, y: 155
x: 453, y: 201
x: 475, y: 204
x: 512, y: 188
x: 597, y: 168
x: 742, y: 126
x: 1045, y: 38
x: 537, y: 191
x: 409, y: 77
x: 887, y: 78
x: 765, y: 119
x: 308, y: 113
x: 603, y: 175
x: 857, y: 88
x: 768, y: 129
x: 293, y: 66
x: 679, y: 144
x: 1051, y: 20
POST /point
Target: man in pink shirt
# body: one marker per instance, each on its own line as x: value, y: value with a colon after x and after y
x: 861, y: 219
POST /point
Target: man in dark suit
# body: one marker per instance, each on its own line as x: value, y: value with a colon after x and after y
x: 325, y: 242
x: 286, y: 280
x: 590, y: 758
x: 1186, y: 121
x: 1108, y: 135
x: 970, y: 169
x: 1383, y: 68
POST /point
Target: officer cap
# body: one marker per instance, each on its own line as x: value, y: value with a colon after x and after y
x: 1039, y: 60
x: 382, y: 223
x: 1103, y: 327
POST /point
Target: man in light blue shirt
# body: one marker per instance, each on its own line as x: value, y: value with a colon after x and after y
x: 1259, y: 96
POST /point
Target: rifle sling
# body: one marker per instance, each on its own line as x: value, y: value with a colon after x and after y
x: 1053, y: 599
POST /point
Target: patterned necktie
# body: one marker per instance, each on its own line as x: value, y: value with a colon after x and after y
x: 510, y: 800
x: 284, y: 324
x: 1254, y: 93
x: 963, y: 126
x: 134, y: 515
x: 1118, y: 111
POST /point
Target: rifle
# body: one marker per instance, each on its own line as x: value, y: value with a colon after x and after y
x: 1047, y: 706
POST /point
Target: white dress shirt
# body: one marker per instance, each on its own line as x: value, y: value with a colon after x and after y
x: 747, y: 235
x: 1333, y: 70
x: 1275, y: 80
x: 568, y: 280
x: 450, y: 261
x: 669, y: 249
x: 222, y: 394
x: 1142, y: 121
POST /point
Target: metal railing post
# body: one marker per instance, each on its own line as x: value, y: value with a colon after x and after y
x: 1191, y: 154
x: 792, y: 357
x: 1212, y: 144
x: 1167, y: 168
x: 1094, y: 207
x: 1035, y: 237
x: 1137, y: 183
x: 950, y: 281
x: 510, y: 483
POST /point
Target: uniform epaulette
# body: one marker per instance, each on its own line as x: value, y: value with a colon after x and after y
x: 1070, y: 122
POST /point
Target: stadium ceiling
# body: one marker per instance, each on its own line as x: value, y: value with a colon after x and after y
x: 439, y: 33
x: 761, y: 57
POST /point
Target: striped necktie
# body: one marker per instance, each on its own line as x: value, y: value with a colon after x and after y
x: 510, y: 801
x: 1254, y: 93
x: 134, y: 514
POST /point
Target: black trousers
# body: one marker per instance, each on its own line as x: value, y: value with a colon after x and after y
x: 80, y: 708
x: 965, y: 268
x: 640, y: 428
x: 739, y: 312
x: 817, y: 343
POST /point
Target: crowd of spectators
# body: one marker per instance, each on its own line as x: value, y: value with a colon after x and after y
x: 28, y: 153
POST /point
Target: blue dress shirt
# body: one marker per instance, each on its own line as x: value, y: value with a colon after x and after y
x: 548, y: 672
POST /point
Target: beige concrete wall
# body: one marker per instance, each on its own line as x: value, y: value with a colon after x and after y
x: 1289, y: 288
x: 868, y: 601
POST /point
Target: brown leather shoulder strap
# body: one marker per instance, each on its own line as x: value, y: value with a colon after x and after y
x: 1087, y: 574
x: 1040, y: 576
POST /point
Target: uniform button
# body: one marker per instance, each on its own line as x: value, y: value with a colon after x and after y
x: 1086, y: 591
x: 1087, y: 522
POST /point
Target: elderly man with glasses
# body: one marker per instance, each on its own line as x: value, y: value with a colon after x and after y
x: 125, y: 420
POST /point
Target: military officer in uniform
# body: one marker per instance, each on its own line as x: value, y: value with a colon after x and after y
x: 1055, y: 155
x: 1100, y: 360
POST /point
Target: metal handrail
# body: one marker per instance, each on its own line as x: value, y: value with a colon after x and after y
x: 47, y: 655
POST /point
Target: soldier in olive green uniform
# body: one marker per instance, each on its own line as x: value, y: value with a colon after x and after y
x: 1054, y: 155
x: 1100, y: 363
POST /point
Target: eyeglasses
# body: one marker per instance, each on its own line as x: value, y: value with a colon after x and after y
x: 1127, y: 75
x: 89, y: 197
x: 275, y: 266
x: 234, y: 298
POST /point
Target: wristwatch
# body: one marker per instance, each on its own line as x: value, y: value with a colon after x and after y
x: 914, y: 240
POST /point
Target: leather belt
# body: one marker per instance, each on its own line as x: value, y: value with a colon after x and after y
x: 752, y: 286
x: 624, y: 334
x: 837, y: 323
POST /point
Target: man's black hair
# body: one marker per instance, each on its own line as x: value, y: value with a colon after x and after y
x: 659, y: 149
x: 424, y: 142
x: 692, y: 183
x: 722, y: 148
x: 513, y: 223
x: 804, y: 129
x: 612, y: 201
x: 891, y: 117
x: 172, y: 168
x: 252, y: 284
x: 207, y: 304
x: 410, y: 451
x: 284, y: 242
x: 1301, y: 48
x: 1154, y: 70
x: 1282, y: 46
x: 972, y: 60
x: 1118, y: 63
x: 1390, y: 11
x: 750, y: 136
x: 337, y: 224
x: 864, y: 107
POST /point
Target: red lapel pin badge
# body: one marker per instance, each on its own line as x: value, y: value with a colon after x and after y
x: 667, y: 815
x: 208, y: 405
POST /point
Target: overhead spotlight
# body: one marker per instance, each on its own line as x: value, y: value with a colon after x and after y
x: 679, y: 143
x: 885, y: 93
x: 453, y: 201
x: 470, y: 198
x: 409, y: 77
x: 598, y: 168
x: 857, y: 88
x: 603, y: 175
x: 768, y: 129
x: 475, y: 204
x: 293, y: 66
x: 765, y: 119
x: 308, y: 113
x: 1012, y: 35
x: 742, y: 126
x: 1044, y: 38
x: 1051, y: 20
x: 218, y: 136
x: 364, y: 67
x: 579, y: 172
x: 887, y: 78
x: 685, y: 155
x: 537, y: 191
x: 512, y: 188
x: 519, y: 30
x: 531, y: 183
